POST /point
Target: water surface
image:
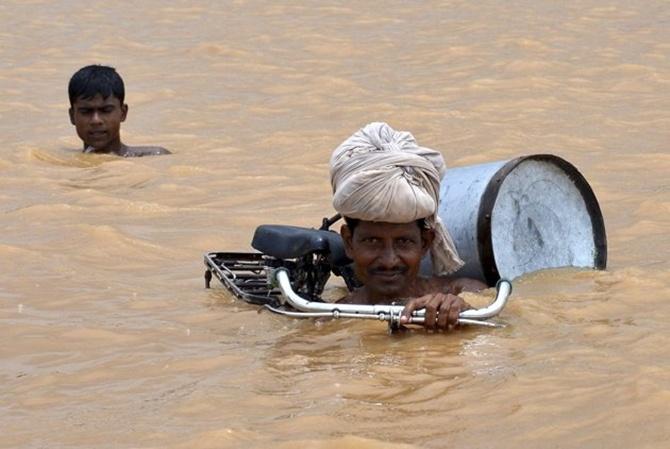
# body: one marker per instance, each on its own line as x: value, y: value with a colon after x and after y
x: 109, y: 338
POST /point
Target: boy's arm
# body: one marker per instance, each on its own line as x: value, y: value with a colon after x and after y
x: 144, y: 151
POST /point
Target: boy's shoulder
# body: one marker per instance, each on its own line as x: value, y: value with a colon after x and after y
x: 139, y: 151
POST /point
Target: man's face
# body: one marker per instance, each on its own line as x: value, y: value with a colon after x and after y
x: 98, y: 121
x: 386, y: 256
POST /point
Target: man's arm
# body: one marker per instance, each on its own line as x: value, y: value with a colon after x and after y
x: 458, y: 285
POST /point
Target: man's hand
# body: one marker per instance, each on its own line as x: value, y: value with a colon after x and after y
x: 442, y: 310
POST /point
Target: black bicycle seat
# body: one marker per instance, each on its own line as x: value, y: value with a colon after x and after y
x: 291, y: 242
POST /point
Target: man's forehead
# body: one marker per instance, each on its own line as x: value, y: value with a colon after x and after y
x: 382, y: 227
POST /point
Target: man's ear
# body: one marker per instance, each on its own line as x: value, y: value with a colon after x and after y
x: 71, y: 112
x: 427, y: 238
x: 347, y: 238
x: 124, y: 112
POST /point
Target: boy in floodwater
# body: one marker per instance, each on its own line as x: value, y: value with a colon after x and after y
x: 97, y: 110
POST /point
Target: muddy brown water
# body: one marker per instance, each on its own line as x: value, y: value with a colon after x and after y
x: 108, y: 338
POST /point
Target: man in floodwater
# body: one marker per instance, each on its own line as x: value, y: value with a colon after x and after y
x: 97, y: 111
x: 387, y: 189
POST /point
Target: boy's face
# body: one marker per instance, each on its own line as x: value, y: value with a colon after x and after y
x: 98, y: 122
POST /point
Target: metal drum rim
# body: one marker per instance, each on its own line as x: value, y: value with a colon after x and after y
x: 490, y: 195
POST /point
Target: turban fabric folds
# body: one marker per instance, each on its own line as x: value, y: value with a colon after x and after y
x: 379, y: 174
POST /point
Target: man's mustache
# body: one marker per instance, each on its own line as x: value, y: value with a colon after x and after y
x: 387, y: 271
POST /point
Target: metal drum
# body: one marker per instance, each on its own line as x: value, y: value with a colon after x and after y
x: 513, y: 217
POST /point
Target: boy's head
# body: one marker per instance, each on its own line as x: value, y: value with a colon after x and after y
x: 92, y: 80
x: 97, y: 108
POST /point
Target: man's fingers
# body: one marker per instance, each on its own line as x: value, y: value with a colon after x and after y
x: 454, y: 311
x: 450, y: 310
x: 410, y: 307
x: 443, y: 317
x: 432, y: 308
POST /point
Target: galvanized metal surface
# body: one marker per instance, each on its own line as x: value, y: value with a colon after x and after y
x: 509, y: 218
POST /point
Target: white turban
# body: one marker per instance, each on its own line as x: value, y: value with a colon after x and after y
x: 379, y: 174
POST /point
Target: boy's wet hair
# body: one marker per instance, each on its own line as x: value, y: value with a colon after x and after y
x: 92, y: 80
